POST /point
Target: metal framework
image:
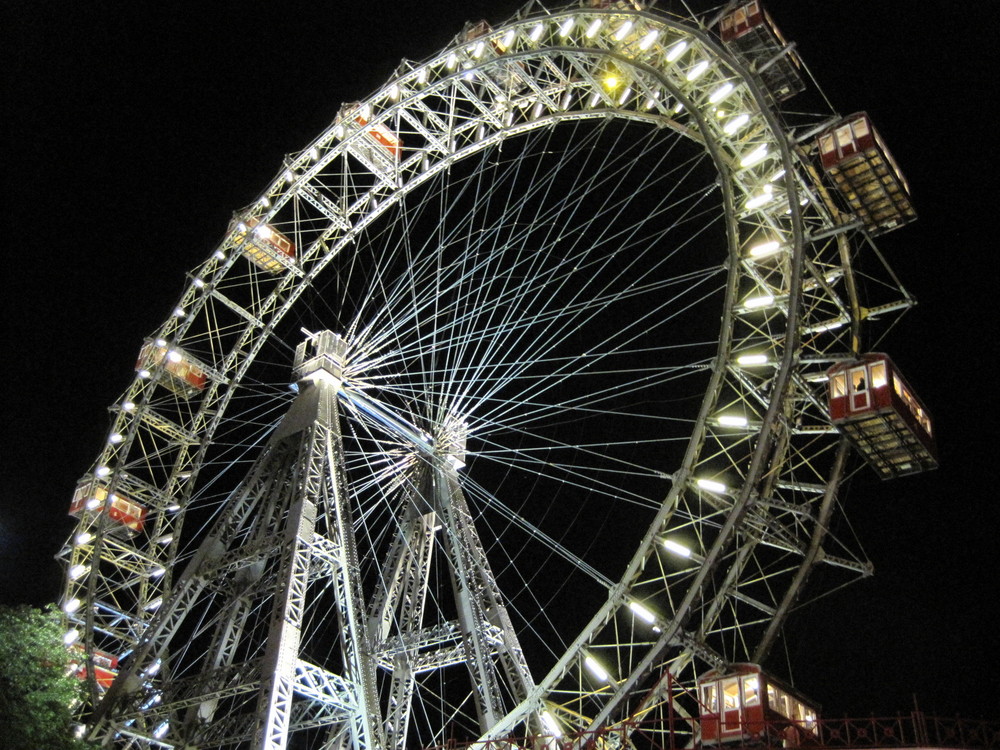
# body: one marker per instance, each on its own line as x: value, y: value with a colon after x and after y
x: 529, y: 483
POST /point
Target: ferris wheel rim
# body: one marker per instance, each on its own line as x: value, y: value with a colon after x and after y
x: 785, y: 368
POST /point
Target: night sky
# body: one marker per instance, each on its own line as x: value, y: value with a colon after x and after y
x: 134, y: 130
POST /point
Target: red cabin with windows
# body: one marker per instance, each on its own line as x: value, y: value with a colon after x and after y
x: 105, y: 667
x: 378, y: 146
x: 750, y: 33
x: 743, y: 703
x: 183, y: 375
x: 92, y: 497
x: 879, y: 413
x: 263, y: 245
x: 865, y: 173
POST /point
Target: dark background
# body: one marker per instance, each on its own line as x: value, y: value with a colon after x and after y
x: 133, y: 130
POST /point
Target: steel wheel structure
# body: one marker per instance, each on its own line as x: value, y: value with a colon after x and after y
x: 563, y: 297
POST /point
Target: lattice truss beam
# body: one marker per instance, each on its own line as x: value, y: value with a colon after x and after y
x: 749, y: 503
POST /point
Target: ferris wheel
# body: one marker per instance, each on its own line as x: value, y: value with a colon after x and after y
x: 556, y: 306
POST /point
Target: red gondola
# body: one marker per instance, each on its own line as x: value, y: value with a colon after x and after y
x: 91, y: 497
x: 184, y: 376
x: 750, y: 32
x: 743, y: 703
x: 263, y: 245
x: 866, y: 174
x: 105, y: 667
x: 879, y: 413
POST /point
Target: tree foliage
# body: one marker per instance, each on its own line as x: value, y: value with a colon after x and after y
x: 37, y: 688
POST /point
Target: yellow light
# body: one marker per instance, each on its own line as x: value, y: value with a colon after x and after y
x: 676, y: 547
x: 721, y: 93
x: 755, y: 156
x: 762, y: 301
x: 596, y: 669
x: 696, y: 72
x: 736, y: 123
x: 764, y: 248
x: 712, y: 486
x: 642, y: 613
x: 611, y: 81
x: 676, y: 51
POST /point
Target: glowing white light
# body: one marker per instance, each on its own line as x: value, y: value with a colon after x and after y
x: 173, y: 507
x: 721, y: 93
x: 551, y: 724
x: 594, y: 27
x: 752, y: 359
x: 650, y: 103
x: 174, y: 356
x: 128, y: 406
x: 165, y: 539
x: 760, y: 199
x: 762, y: 301
x: 676, y: 51
x: 314, y: 153
x: 647, y: 41
x: 422, y: 75
x: 736, y: 123
x: 199, y: 283
x: 263, y: 231
x: 595, y: 668
x: 265, y: 202
x: 755, y: 156
x: 338, y: 132
x: 219, y: 255
x: 71, y: 636
x: 161, y: 342
x: 642, y: 613
x: 366, y: 111
x: 72, y: 606
x: 289, y: 175
x: 78, y: 571
x: 676, y: 547
x: 696, y: 72
x: 764, y: 248
x: 451, y: 61
x: 158, y: 571
x: 536, y: 33
x: 625, y: 95
x: 776, y: 176
x: 153, y: 668
x: 711, y: 485
x: 102, y: 471
x: 731, y: 420
x: 83, y: 537
x: 179, y: 312
x: 144, y: 373
x: 624, y: 29
x: 155, y: 604
x: 478, y: 50
x: 567, y: 27
x: 92, y: 503
x: 508, y: 39
x: 469, y: 75
x: 115, y: 438
x: 161, y: 730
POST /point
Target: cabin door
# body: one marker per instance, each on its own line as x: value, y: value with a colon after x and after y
x: 859, y: 390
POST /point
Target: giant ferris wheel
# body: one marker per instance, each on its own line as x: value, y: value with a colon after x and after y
x: 501, y: 411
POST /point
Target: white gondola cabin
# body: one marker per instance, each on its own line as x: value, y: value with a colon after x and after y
x: 750, y: 32
x: 879, y: 413
x: 129, y: 517
x: 742, y: 703
x: 263, y: 245
x: 865, y: 173
x: 183, y: 375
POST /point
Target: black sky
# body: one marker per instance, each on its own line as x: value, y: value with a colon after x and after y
x: 132, y: 131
